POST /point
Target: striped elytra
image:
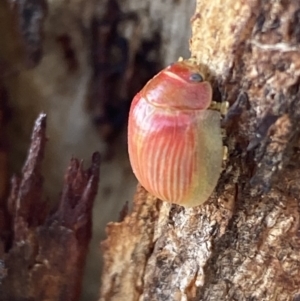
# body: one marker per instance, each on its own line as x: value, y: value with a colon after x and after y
x: 174, y: 139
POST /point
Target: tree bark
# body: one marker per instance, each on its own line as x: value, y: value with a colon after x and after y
x: 243, y: 243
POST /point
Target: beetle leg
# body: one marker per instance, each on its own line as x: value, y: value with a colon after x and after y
x: 237, y: 108
x: 222, y: 107
x: 225, y: 153
x: 225, y: 157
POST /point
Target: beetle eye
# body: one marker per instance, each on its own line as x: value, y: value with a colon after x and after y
x: 196, y: 77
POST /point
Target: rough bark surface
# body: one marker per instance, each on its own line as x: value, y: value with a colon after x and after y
x: 42, y: 254
x: 243, y: 243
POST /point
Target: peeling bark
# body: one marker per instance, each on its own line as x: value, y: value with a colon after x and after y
x: 243, y: 243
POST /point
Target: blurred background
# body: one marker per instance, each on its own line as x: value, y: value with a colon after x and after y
x: 82, y: 62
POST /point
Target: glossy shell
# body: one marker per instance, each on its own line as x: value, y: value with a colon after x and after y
x: 174, y: 140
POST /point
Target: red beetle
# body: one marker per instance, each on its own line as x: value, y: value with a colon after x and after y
x: 174, y: 138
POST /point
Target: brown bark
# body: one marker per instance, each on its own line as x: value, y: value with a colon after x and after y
x: 243, y: 243
x: 42, y: 253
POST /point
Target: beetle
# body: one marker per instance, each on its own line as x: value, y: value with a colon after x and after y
x: 174, y: 136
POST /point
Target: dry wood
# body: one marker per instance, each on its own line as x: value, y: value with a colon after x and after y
x: 42, y: 253
x: 243, y: 244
